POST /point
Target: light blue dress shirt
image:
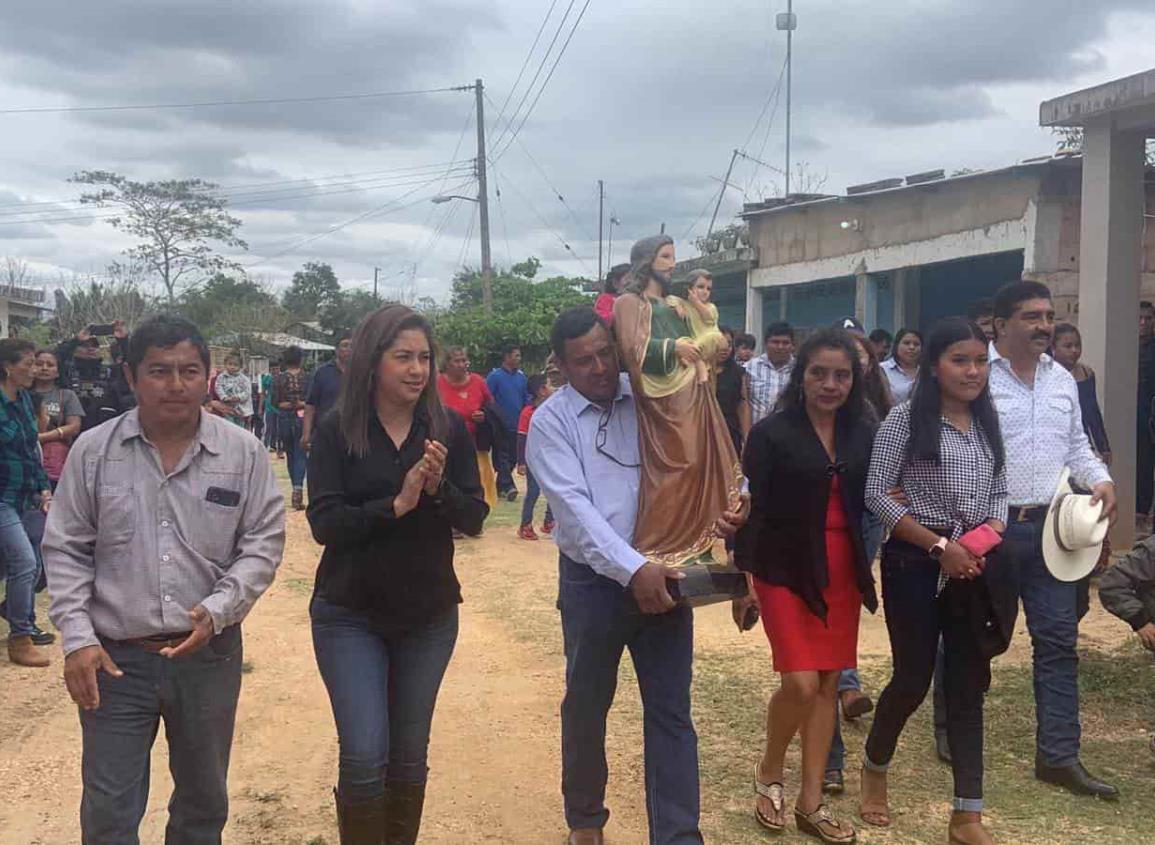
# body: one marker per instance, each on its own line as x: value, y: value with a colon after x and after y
x: 901, y: 385
x: 593, y: 491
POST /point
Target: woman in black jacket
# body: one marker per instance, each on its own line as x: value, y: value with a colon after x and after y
x: 807, y: 468
x: 391, y: 474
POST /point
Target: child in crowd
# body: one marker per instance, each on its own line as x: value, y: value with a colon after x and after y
x: 1128, y: 591
x: 234, y: 391
x: 702, y: 317
x: 539, y: 389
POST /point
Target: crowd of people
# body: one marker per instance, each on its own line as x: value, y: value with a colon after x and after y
x: 972, y: 469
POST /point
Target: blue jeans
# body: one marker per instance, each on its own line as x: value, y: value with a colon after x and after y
x: 20, y: 560
x: 849, y: 680
x: 291, y: 427
x: 272, y: 430
x: 196, y: 696
x: 383, y: 688
x: 600, y: 619
x: 1051, y: 607
x: 532, y: 492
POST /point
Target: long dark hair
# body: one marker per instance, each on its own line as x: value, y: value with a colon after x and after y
x: 926, y: 400
x: 874, y: 384
x: 356, y: 405
x: 792, y: 399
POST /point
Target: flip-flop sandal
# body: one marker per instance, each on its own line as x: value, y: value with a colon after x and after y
x: 775, y: 793
x: 822, y: 825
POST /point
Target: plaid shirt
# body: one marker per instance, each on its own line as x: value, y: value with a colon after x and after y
x: 957, y: 493
x: 22, y: 473
x: 766, y: 383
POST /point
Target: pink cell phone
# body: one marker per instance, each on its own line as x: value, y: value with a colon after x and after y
x: 979, y: 541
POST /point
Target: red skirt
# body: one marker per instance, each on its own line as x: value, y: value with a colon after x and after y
x: 799, y: 640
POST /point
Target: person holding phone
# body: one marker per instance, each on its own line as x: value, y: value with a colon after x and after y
x: 943, y: 449
x: 101, y: 387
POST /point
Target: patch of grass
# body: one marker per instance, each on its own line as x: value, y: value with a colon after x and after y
x: 318, y: 840
x: 247, y: 667
x: 303, y: 586
x: 729, y: 707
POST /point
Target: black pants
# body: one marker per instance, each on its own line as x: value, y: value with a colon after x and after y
x: 914, y: 620
x: 1144, y: 468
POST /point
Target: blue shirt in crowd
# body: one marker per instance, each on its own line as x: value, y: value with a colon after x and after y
x: 325, y: 388
x: 510, y: 392
x: 591, y: 483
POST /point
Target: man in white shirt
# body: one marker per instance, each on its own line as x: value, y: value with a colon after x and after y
x: 770, y: 371
x: 1042, y: 429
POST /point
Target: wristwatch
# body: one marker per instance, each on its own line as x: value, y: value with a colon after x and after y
x: 936, y: 551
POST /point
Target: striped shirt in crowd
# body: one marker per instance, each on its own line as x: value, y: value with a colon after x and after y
x: 766, y: 383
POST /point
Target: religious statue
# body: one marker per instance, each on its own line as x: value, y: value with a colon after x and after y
x: 690, y: 473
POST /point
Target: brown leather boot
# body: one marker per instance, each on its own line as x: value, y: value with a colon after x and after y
x: 361, y: 823
x: 298, y: 499
x: 404, y: 803
x: 967, y: 829
x: 22, y: 652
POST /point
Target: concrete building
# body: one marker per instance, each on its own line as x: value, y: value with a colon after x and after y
x: 907, y: 252
x: 1117, y: 118
x: 20, y: 304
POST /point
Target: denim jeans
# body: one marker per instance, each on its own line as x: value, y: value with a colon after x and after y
x: 20, y: 561
x: 1051, y: 607
x: 196, y: 697
x: 915, y: 616
x: 272, y: 430
x: 849, y: 680
x: 600, y: 619
x: 291, y: 427
x: 532, y: 492
x: 383, y: 689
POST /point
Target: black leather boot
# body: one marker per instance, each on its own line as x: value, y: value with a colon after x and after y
x: 361, y: 823
x: 403, y: 805
x: 1076, y: 780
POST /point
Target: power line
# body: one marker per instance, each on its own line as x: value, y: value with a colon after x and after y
x: 528, y: 58
x: 226, y: 191
x: 197, y: 105
x: 468, y: 239
x: 546, y: 224
x: 504, y: 228
x: 537, y: 74
x: 247, y: 199
x: 545, y: 84
x: 381, y: 209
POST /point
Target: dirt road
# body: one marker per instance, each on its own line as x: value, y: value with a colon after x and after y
x: 494, y: 755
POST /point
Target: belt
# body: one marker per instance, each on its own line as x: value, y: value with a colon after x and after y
x: 1028, y: 513
x: 157, y: 642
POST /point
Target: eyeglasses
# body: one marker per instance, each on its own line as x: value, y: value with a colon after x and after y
x: 603, y: 435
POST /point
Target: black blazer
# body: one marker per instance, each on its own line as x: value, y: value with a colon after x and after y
x: 784, y: 541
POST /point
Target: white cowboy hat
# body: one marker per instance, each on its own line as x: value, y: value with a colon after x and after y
x: 1073, y: 532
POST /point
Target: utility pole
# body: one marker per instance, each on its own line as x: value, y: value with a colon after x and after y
x: 789, y: 23
x: 722, y: 193
x: 601, y: 224
x: 483, y: 202
x: 376, y: 273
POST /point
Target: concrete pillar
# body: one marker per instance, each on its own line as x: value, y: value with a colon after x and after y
x: 866, y: 299
x: 753, y: 310
x: 1109, y: 272
x: 783, y: 308
x: 907, y: 298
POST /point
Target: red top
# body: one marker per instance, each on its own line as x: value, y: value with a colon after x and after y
x: 604, y: 305
x: 466, y: 398
x: 523, y: 421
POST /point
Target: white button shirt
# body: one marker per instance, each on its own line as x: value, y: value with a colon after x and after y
x: 1042, y: 430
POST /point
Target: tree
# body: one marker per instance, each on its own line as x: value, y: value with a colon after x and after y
x: 314, y: 287
x: 176, y: 220
x: 523, y: 313
x: 223, y: 301
x: 86, y: 301
x: 345, y: 312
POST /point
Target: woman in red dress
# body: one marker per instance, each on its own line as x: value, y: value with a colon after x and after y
x: 807, y: 466
x: 466, y: 393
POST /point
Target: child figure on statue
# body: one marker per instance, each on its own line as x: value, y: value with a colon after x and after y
x: 701, y: 316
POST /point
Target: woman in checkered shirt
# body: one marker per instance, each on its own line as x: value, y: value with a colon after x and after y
x: 943, y: 449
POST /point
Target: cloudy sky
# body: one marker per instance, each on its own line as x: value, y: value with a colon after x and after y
x: 649, y: 96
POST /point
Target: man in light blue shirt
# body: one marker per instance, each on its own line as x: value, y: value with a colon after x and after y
x: 583, y: 449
